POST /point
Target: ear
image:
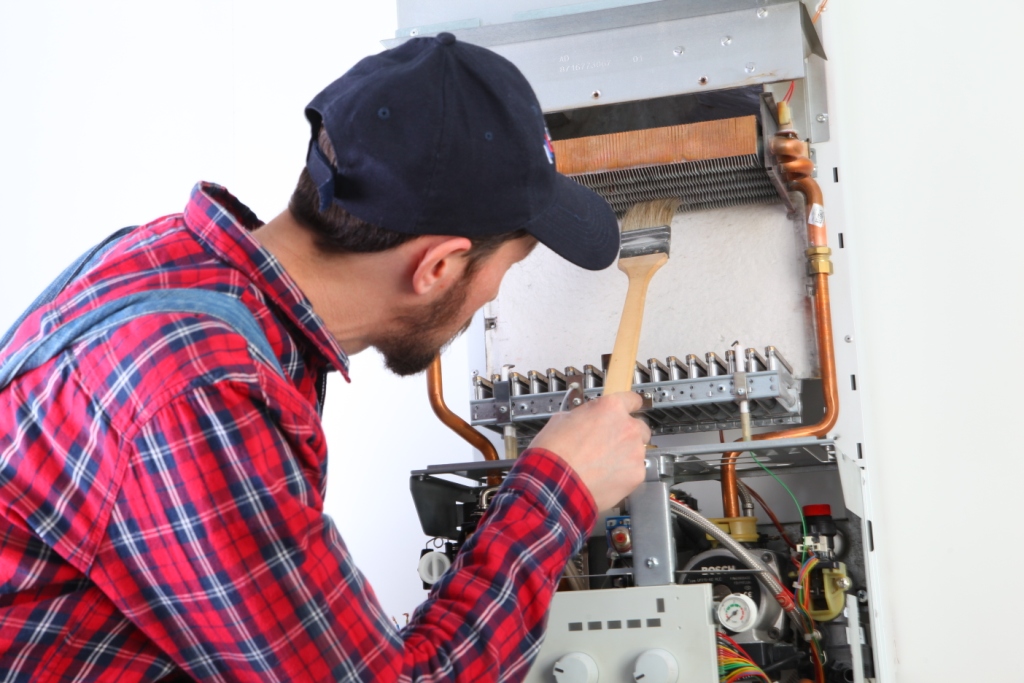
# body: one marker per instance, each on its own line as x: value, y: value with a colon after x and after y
x: 439, y: 263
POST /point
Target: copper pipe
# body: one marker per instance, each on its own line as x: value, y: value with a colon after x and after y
x: 794, y: 162
x: 450, y: 419
x: 823, y: 321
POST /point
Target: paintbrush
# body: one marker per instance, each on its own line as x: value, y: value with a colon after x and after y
x: 644, y: 249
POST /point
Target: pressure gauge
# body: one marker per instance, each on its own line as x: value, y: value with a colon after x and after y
x: 737, y: 612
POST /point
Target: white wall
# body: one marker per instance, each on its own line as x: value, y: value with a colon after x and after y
x: 110, y: 112
x: 926, y: 109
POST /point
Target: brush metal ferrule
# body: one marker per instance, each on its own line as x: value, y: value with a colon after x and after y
x: 645, y: 241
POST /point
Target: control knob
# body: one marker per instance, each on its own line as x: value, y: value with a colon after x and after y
x: 432, y: 567
x: 576, y: 667
x: 656, y: 666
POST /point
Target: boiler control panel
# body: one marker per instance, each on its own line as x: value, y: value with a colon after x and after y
x: 654, y: 634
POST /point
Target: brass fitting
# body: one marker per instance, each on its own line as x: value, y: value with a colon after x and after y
x: 818, y: 260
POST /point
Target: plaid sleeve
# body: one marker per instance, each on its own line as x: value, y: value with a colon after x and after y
x: 485, y: 619
x: 218, y: 550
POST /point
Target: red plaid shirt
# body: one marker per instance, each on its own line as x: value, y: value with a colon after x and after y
x: 161, y: 497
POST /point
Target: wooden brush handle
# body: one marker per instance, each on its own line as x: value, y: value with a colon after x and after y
x: 640, y: 270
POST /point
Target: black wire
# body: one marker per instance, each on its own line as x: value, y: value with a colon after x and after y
x: 782, y: 662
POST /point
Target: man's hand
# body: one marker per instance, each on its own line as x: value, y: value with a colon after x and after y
x: 602, y: 443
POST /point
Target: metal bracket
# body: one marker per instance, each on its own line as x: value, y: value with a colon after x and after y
x: 740, y: 386
x: 574, y: 396
x: 654, y: 551
x: 634, y: 52
x: 503, y: 402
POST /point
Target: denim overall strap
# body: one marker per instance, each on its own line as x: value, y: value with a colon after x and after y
x: 81, y: 264
x: 100, y: 320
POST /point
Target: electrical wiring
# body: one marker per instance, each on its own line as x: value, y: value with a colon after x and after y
x: 799, y: 509
x: 802, y: 597
x: 814, y: 20
x: 802, y: 579
x: 803, y: 602
x: 789, y: 91
x: 771, y: 515
x: 734, y: 664
x: 821, y: 8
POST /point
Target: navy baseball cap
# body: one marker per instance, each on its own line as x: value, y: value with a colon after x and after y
x: 441, y: 137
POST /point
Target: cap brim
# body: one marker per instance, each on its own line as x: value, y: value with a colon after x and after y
x: 579, y: 226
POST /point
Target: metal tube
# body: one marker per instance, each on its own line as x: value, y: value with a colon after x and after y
x: 826, y: 351
x: 797, y: 167
x: 450, y: 419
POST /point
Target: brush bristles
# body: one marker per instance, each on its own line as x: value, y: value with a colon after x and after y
x: 650, y: 214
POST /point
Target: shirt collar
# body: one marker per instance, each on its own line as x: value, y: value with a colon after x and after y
x: 222, y: 224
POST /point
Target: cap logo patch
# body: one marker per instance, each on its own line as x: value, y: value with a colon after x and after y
x: 549, y: 149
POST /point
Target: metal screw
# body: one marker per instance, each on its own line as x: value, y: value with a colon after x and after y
x: 726, y: 40
x: 596, y: 94
x: 848, y: 339
x: 502, y: 409
x: 822, y: 117
x: 679, y: 50
x: 574, y: 385
x: 648, y: 396
x: 862, y: 595
x: 762, y: 13
x: 844, y: 583
x: 767, y: 557
x: 703, y: 80
x: 774, y: 633
x: 414, y: 32
x: 741, y: 391
x: 651, y: 562
x: 577, y: 401
x: 749, y: 68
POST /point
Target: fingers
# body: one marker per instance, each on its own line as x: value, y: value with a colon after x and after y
x: 630, y: 401
x: 646, y: 431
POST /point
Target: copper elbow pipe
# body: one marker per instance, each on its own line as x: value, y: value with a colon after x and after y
x: 450, y: 419
x: 792, y: 155
x: 797, y: 167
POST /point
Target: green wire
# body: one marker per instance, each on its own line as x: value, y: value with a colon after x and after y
x: 800, y: 510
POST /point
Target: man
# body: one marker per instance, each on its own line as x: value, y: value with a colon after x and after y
x: 162, y: 464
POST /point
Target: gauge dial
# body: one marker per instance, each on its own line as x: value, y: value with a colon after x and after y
x: 737, y: 612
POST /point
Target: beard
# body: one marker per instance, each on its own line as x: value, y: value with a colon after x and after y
x: 424, y: 334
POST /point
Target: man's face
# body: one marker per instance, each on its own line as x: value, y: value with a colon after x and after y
x: 423, y: 333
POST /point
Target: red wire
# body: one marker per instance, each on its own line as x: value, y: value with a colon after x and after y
x: 814, y: 20
x: 789, y: 92
x: 819, y: 672
x: 771, y: 515
x: 735, y: 645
